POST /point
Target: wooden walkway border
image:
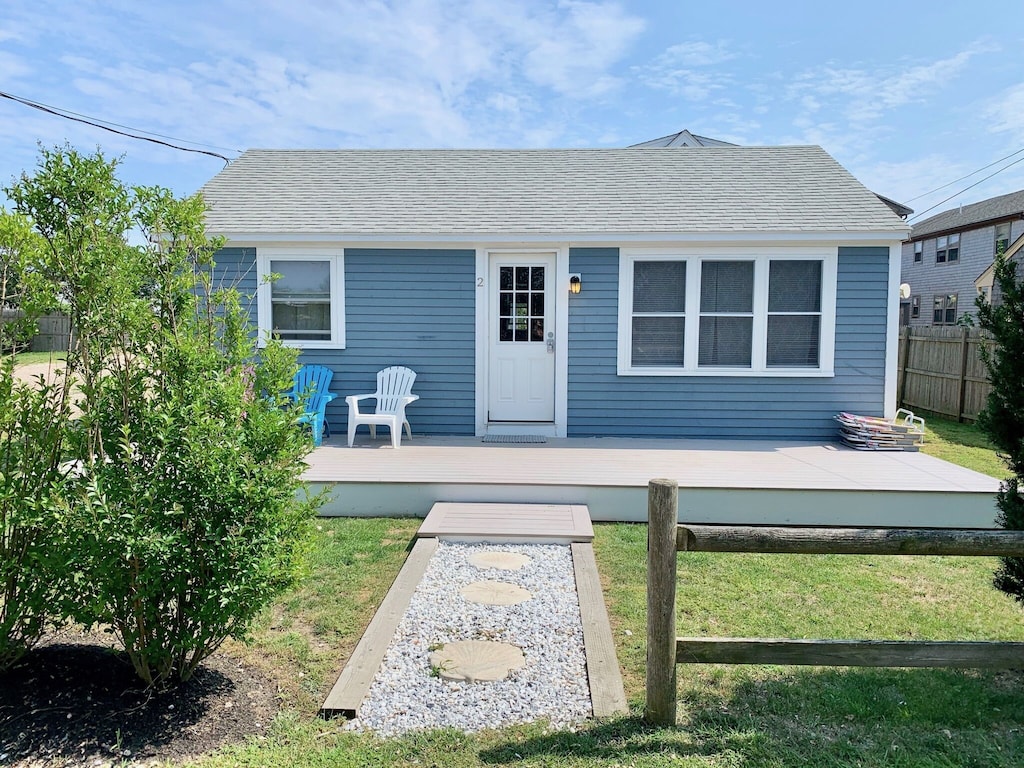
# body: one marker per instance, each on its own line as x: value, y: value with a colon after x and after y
x: 353, y: 685
x: 664, y: 650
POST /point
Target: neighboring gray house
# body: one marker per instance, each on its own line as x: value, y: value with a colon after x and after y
x: 947, y: 260
x: 682, y: 139
x: 734, y: 292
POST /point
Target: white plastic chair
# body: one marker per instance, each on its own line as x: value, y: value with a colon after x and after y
x: 394, y: 393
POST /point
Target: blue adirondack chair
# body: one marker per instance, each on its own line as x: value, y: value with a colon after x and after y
x: 314, y: 382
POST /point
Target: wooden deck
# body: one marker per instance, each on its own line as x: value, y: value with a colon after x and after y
x: 739, y: 481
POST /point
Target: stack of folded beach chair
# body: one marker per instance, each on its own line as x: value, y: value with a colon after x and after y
x: 904, y: 432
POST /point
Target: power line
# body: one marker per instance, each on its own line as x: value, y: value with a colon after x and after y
x: 67, y: 115
x: 954, y: 181
x: 971, y: 186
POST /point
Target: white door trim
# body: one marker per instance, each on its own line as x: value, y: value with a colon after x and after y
x: 483, y: 313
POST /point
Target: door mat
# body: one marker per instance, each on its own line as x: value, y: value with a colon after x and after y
x: 514, y: 439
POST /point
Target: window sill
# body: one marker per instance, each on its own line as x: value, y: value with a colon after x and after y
x: 772, y: 373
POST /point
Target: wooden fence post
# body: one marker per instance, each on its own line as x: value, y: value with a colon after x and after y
x: 901, y: 399
x: 961, y: 387
x: 662, y: 519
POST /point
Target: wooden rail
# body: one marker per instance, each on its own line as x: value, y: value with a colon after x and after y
x: 665, y: 537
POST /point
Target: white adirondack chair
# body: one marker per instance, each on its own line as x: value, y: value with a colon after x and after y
x: 394, y: 393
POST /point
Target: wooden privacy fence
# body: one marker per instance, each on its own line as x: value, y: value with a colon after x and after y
x: 940, y: 370
x: 53, y: 335
x: 666, y: 537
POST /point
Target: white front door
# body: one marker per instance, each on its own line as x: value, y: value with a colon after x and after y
x: 522, y: 338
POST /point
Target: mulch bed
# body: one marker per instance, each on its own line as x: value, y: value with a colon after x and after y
x: 76, y: 702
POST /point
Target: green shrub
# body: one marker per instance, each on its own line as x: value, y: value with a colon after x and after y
x: 187, y: 513
x: 34, y: 577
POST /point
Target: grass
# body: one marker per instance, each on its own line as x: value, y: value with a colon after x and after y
x: 963, y: 444
x: 728, y: 715
x: 29, y: 358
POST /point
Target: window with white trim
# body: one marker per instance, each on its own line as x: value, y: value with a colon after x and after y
x: 300, y: 297
x: 915, y: 306
x: 918, y: 251
x: 944, y: 309
x: 763, y: 312
x: 947, y: 248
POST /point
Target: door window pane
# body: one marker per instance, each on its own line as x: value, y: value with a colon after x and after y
x: 521, y: 304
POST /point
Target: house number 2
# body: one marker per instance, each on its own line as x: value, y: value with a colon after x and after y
x: 479, y: 282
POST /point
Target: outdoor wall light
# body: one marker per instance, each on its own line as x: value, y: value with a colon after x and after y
x: 575, y: 284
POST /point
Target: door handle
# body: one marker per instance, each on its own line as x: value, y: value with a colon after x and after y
x: 551, y: 341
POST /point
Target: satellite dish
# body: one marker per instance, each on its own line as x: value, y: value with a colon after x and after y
x: 905, y: 290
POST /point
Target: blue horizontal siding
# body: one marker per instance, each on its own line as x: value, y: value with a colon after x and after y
x: 603, y: 403
x: 402, y: 307
x: 414, y: 308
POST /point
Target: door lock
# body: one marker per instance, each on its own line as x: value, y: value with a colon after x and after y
x: 551, y: 341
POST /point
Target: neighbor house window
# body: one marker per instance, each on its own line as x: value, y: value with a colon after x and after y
x: 918, y: 251
x: 947, y: 248
x: 300, y: 297
x: 915, y: 307
x: 1002, y: 237
x: 766, y: 312
x: 944, y: 309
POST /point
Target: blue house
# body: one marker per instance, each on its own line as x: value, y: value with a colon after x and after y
x: 731, y: 292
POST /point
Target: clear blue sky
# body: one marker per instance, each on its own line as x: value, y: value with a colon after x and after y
x: 907, y: 95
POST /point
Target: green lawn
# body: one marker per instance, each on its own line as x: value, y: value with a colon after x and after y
x: 728, y: 716
x: 28, y: 358
x: 963, y: 444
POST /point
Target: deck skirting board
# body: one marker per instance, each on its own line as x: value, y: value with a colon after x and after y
x: 741, y: 506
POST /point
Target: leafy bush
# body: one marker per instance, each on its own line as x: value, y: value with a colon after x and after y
x: 34, y: 578
x: 186, y: 513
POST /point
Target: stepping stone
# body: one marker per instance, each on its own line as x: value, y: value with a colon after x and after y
x: 505, y: 561
x: 495, y: 593
x: 476, y: 661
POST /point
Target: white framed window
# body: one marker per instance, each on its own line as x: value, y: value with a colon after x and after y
x: 947, y: 248
x: 712, y: 312
x: 915, y: 306
x: 918, y: 251
x: 301, y: 295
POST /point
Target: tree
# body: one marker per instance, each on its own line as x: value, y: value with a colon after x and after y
x: 1003, y: 416
x: 186, y: 511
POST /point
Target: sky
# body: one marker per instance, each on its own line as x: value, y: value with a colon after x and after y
x: 907, y: 95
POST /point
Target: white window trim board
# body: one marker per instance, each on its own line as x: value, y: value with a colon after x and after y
x: 829, y: 258
x: 336, y: 257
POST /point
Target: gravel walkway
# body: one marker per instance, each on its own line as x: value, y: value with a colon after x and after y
x: 406, y: 695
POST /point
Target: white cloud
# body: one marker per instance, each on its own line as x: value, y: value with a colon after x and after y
x: 691, y: 70
x: 864, y: 95
x: 1005, y: 113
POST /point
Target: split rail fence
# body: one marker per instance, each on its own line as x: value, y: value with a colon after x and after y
x: 666, y: 537
x: 941, y: 371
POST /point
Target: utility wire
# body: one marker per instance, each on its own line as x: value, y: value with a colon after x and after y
x: 954, y: 181
x: 971, y: 186
x: 58, y: 112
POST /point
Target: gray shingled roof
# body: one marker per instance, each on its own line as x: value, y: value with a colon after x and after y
x: 963, y: 217
x: 555, y: 192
